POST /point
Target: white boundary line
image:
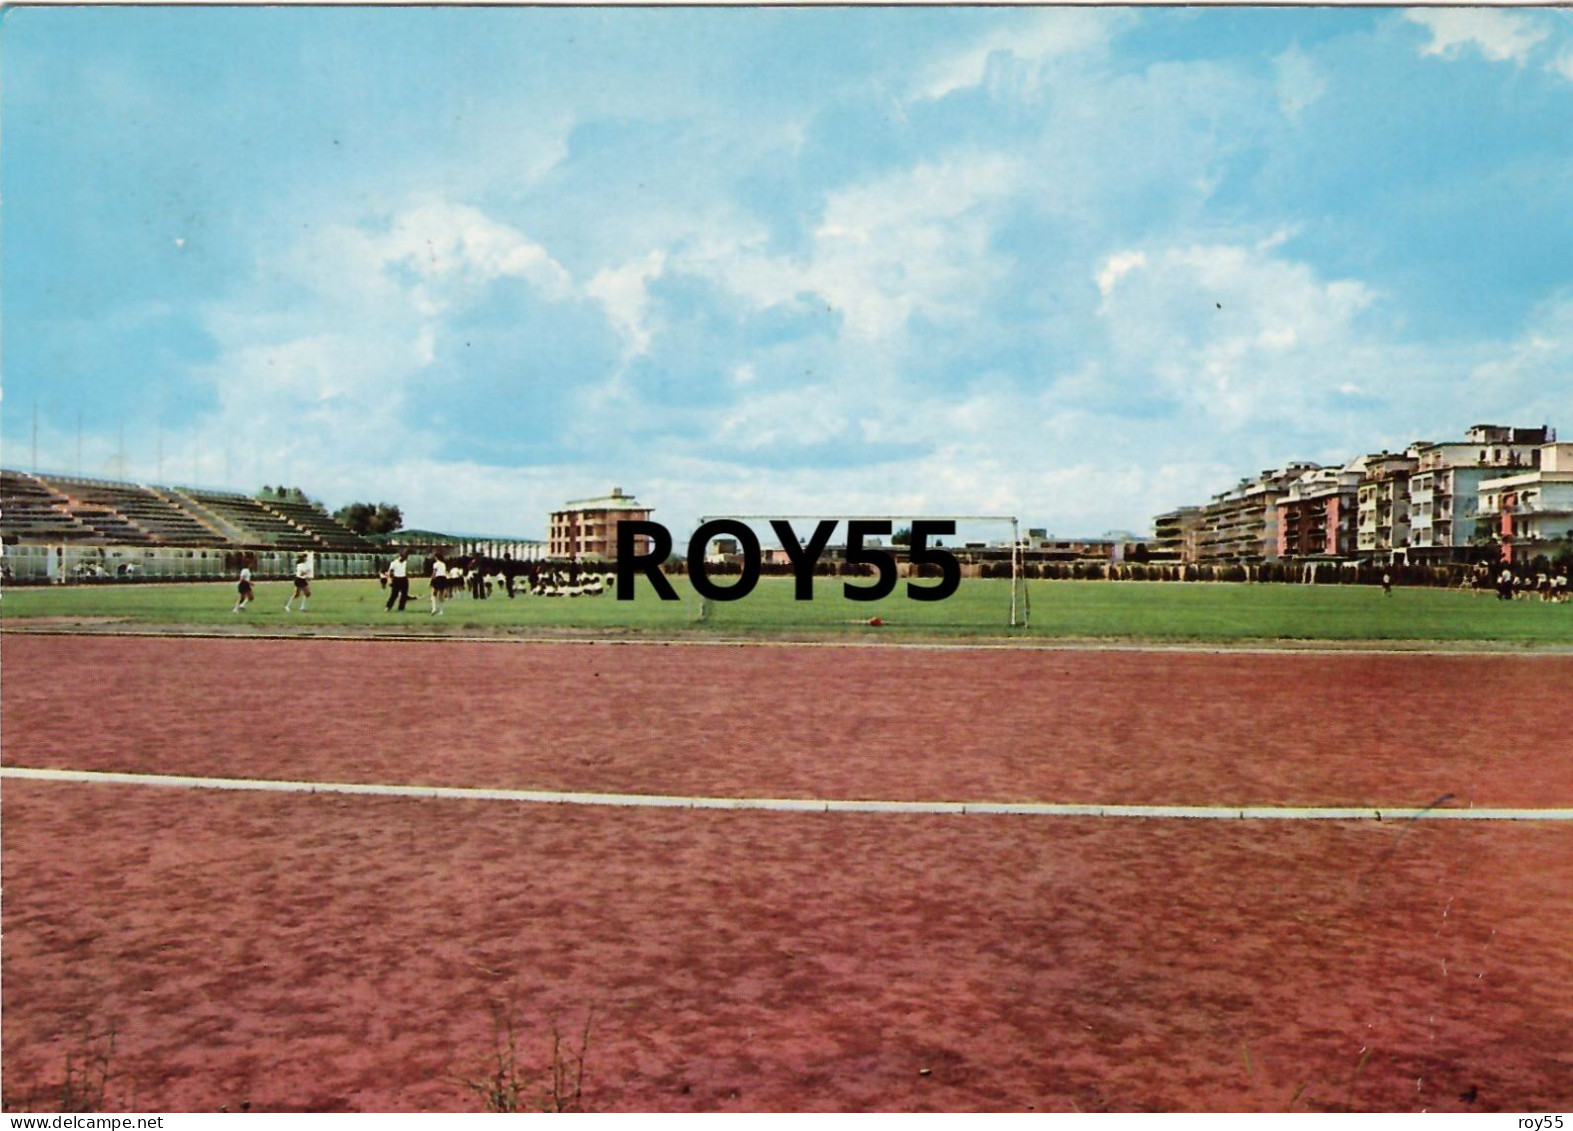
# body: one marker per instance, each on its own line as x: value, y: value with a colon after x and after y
x: 657, y: 801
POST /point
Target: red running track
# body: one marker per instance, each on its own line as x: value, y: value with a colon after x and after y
x: 313, y: 952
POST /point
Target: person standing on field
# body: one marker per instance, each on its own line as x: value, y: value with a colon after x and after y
x: 244, y: 589
x: 439, y: 584
x: 399, y: 580
x: 303, y: 575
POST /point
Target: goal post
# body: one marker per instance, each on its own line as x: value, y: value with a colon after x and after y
x: 799, y: 570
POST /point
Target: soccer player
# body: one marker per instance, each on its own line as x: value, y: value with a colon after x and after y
x: 439, y: 584
x: 303, y: 575
x: 244, y: 589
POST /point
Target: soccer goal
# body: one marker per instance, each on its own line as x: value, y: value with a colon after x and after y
x: 935, y: 572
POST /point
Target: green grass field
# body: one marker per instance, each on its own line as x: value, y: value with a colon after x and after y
x: 1137, y: 611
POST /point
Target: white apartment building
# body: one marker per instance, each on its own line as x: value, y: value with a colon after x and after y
x: 1382, y: 527
x: 1529, y: 509
x: 1444, y: 488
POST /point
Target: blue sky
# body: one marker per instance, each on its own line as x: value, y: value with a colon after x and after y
x: 1080, y: 265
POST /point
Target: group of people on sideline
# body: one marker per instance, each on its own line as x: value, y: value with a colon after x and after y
x: 1547, y: 584
x: 480, y: 576
x: 474, y: 575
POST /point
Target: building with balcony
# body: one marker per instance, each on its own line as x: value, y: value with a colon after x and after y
x: 1317, y: 515
x: 1240, y: 526
x: 1444, y: 489
x: 1175, y: 536
x: 1382, y: 507
x: 1529, y: 511
x: 586, y: 529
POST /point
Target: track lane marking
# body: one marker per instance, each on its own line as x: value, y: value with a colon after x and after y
x: 781, y: 804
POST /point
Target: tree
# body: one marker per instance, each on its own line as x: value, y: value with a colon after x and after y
x: 902, y: 537
x: 357, y: 516
x: 370, y: 518
x: 387, y: 519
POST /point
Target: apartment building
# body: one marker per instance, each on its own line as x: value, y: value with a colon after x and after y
x: 1527, y: 509
x: 1317, y: 517
x: 1240, y: 526
x: 1444, y: 489
x: 1175, y: 536
x: 1382, y: 507
x: 587, y: 528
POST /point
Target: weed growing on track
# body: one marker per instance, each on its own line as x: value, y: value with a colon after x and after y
x: 511, y: 1084
x: 1354, y: 1079
x: 84, y: 1085
x: 566, y: 1089
x: 1303, y: 1091
x: 1250, y: 1074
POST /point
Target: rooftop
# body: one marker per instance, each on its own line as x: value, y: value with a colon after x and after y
x: 614, y: 500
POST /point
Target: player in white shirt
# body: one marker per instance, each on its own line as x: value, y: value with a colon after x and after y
x: 244, y: 589
x: 439, y: 584
x: 303, y: 575
x: 399, y: 581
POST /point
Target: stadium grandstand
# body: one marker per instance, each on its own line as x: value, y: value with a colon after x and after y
x: 68, y: 528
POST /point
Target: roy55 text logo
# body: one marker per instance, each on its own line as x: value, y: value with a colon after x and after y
x: 804, y: 556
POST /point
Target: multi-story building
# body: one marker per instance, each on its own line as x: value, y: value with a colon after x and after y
x: 1175, y: 536
x: 1240, y: 527
x: 1383, y: 507
x: 1444, y: 488
x: 1529, y: 509
x: 1317, y: 515
x: 587, y: 528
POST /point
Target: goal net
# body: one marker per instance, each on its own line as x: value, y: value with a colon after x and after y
x: 934, y: 572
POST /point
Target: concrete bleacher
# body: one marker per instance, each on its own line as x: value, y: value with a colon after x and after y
x: 31, y: 511
x: 131, y: 514
x: 61, y: 529
x: 250, y: 522
x: 330, y: 534
x: 46, y: 508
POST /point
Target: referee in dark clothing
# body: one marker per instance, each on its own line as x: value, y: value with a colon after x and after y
x: 399, y: 580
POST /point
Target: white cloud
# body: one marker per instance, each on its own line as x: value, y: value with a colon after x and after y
x: 457, y: 243
x: 1562, y: 64
x: 1116, y: 266
x: 1046, y: 36
x: 806, y: 416
x: 1298, y: 81
x: 623, y: 291
x: 912, y: 241
x: 917, y: 241
x: 1534, y: 370
x: 1238, y: 334
x: 1277, y: 239
x: 1499, y: 36
x: 325, y: 360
